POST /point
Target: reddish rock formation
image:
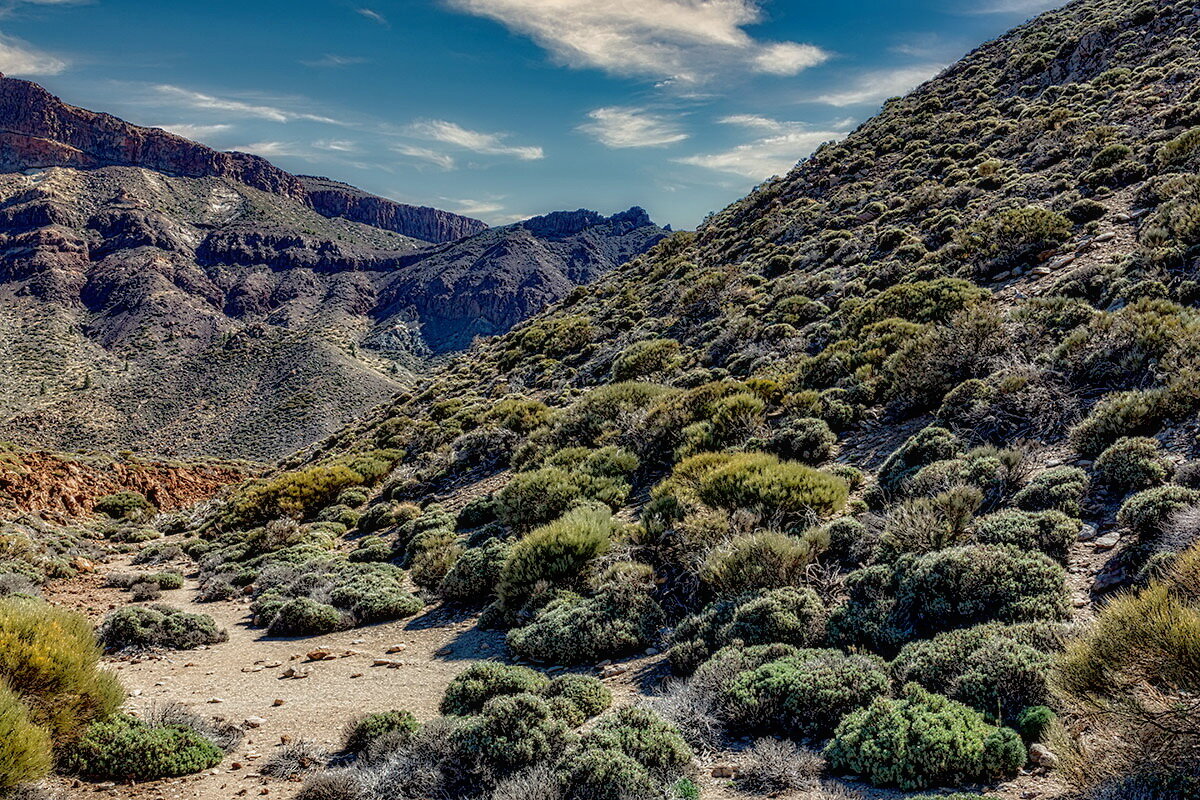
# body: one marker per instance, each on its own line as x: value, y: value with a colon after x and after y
x: 41, y: 482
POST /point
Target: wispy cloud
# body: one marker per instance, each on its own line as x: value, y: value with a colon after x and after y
x: 187, y: 98
x: 627, y: 126
x: 332, y: 61
x: 492, y: 144
x: 685, y: 41
x: 269, y: 149
x: 1010, y: 6
x: 438, y: 159
x: 875, y: 87
x: 190, y: 130
x: 772, y: 154
x: 336, y: 145
x: 374, y: 16
x: 18, y: 57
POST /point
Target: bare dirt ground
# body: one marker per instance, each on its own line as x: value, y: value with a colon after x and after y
x: 244, y: 679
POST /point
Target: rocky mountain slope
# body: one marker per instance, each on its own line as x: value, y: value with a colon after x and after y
x: 159, y: 295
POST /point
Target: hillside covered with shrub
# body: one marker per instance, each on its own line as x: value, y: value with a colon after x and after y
x: 896, y: 459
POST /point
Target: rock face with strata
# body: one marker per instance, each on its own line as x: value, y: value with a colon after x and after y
x: 38, y: 130
x: 159, y: 296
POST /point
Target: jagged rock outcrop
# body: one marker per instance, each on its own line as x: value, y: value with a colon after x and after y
x: 38, y: 130
x: 336, y: 199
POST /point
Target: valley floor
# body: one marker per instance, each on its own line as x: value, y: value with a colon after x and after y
x: 273, y: 688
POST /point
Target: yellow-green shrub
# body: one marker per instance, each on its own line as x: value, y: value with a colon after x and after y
x: 49, y: 657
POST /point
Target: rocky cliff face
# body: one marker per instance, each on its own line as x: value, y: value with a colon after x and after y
x: 38, y: 130
x: 336, y: 199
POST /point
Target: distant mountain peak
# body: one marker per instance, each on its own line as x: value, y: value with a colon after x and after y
x: 569, y: 223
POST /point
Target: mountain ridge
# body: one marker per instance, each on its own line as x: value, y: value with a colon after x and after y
x: 38, y: 130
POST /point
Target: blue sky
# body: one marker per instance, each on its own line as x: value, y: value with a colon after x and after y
x: 502, y: 109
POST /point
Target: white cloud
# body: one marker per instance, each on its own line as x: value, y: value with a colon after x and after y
x: 491, y: 144
x: 336, y: 145
x: 374, y: 16
x: 788, y: 58
x: 875, y: 87
x: 18, y: 57
x: 683, y: 41
x: 475, y: 208
x: 755, y: 121
x: 1013, y: 7
x: 270, y: 149
x: 625, y: 126
x: 189, y: 130
x: 434, y: 157
x: 187, y: 98
x: 331, y: 60
x: 774, y: 154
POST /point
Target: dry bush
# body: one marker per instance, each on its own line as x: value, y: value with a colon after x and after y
x: 774, y: 765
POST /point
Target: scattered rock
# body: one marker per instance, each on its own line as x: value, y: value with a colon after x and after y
x: 254, y: 722
x: 1042, y: 756
x: 397, y: 648
x: 1087, y: 533
x: 277, y: 702
x: 317, y: 655
x: 724, y: 771
x: 216, y: 700
x: 1106, y: 542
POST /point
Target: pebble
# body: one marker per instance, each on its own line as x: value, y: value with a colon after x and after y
x: 1106, y: 542
x: 1087, y: 533
x: 254, y: 722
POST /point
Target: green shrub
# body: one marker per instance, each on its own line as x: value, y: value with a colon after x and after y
x: 24, y: 747
x: 122, y: 747
x: 1056, y: 489
x: 922, y: 448
x: 158, y: 626
x: 1132, y: 463
x: 556, y: 555
x: 474, y: 576
x: 617, y: 621
x: 952, y: 588
x: 644, y: 736
x: 1012, y: 237
x: 1034, y: 723
x: 50, y: 658
x: 765, y: 560
x: 806, y: 694
x: 996, y: 669
x: 571, y: 477
x: 1049, y: 532
x: 807, y: 439
x: 576, y: 698
x: 1145, y: 513
x: 303, y: 616
x: 919, y: 301
x: 480, y: 682
x: 597, y: 774
x: 396, y: 724
x: 922, y: 739
x: 769, y: 487
x: 124, y: 505
x: 513, y: 731
x: 644, y: 358
x: 790, y: 615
